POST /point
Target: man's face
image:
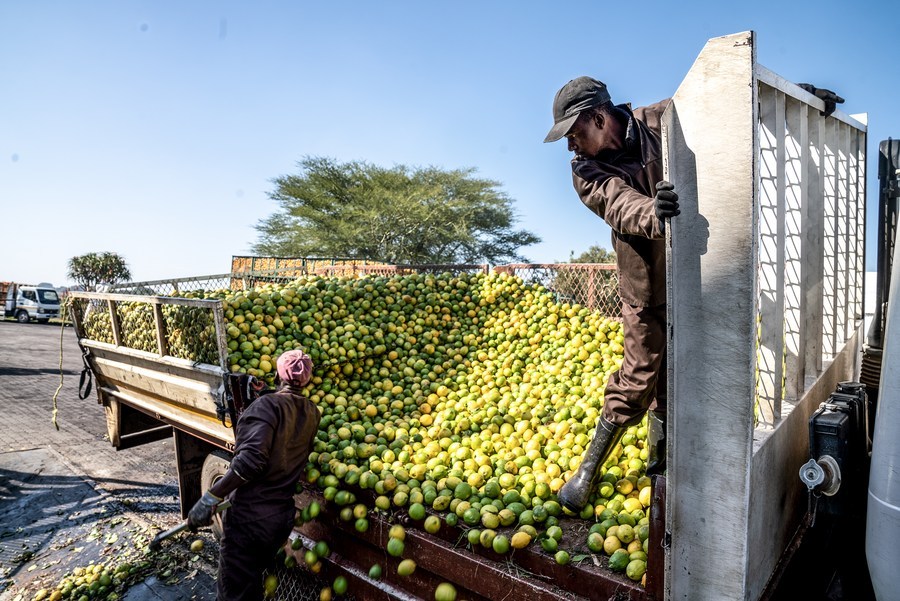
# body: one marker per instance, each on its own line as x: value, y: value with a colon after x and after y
x: 589, y: 135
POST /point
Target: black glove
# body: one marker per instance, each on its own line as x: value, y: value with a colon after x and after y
x: 202, y: 512
x: 827, y: 96
x: 666, y: 200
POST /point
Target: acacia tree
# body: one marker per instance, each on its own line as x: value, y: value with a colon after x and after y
x: 594, y: 254
x: 92, y: 269
x: 397, y: 215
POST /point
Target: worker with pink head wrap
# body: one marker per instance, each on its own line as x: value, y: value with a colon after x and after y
x: 273, y: 437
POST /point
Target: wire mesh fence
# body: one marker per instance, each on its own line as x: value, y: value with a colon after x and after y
x: 591, y: 285
x: 299, y: 584
x: 177, y: 317
x: 178, y: 327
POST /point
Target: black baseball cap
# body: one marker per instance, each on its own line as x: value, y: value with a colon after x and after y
x: 579, y: 94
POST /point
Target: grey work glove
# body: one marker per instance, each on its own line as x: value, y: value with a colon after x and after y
x: 666, y: 201
x: 202, y: 512
x: 827, y: 96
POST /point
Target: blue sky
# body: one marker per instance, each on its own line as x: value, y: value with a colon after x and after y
x: 154, y: 129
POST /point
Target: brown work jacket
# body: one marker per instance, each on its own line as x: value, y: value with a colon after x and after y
x: 273, y: 439
x: 620, y: 187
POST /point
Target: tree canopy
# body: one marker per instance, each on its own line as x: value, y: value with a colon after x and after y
x: 92, y: 269
x: 404, y: 215
x: 594, y: 254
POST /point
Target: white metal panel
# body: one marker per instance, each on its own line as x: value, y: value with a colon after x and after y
x: 830, y: 275
x: 814, y: 258
x: 771, y: 255
x: 859, y: 151
x: 713, y: 292
x: 763, y: 284
x: 795, y: 141
x: 843, y: 274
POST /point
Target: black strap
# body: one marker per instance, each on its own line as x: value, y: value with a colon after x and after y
x: 87, y: 375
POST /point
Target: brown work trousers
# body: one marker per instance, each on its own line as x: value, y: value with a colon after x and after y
x: 640, y: 384
x: 247, y: 549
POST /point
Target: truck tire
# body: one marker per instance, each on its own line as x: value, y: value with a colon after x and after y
x: 214, y: 467
x: 22, y: 316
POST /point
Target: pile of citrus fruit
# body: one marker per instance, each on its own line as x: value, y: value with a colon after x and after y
x: 471, y: 397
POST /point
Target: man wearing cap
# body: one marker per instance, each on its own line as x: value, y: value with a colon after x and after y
x: 273, y: 438
x: 617, y: 173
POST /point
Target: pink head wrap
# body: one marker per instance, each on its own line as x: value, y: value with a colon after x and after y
x: 294, y: 367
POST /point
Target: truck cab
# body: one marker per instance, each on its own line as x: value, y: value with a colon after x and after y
x: 26, y: 302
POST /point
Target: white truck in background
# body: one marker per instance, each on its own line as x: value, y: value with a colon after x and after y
x: 26, y: 302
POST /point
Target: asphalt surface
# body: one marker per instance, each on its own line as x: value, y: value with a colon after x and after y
x: 67, y: 497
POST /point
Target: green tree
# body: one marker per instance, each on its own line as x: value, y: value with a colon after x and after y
x: 98, y: 268
x: 594, y: 254
x: 399, y: 215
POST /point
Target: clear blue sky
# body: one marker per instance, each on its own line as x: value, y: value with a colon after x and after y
x: 153, y: 129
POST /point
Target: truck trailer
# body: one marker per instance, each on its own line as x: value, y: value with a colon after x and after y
x: 765, y: 296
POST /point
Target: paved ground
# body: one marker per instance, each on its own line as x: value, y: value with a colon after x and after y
x: 67, y: 497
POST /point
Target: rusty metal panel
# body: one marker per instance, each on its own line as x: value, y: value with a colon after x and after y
x: 477, y: 573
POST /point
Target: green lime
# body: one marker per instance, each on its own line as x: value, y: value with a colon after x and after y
x: 395, y: 547
x: 595, y: 542
x: 361, y: 525
x: 553, y: 508
x: 471, y: 516
x: 375, y: 572
x: 473, y: 536
x: 417, y: 511
x: 340, y: 585
x: 321, y: 549
x: 462, y: 491
x: 619, y: 560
